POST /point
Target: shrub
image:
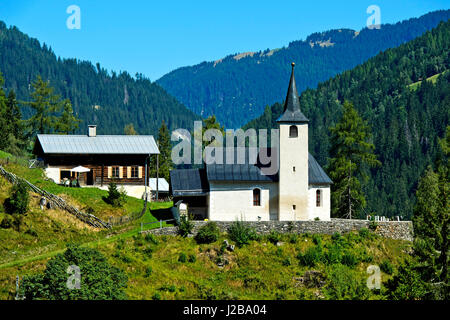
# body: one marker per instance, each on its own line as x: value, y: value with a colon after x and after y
x: 192, y: 258
x: 274, y: 237
x: 241, y: 234
x: 293, y: 238
x: 7, y: 222
x: 317, y: 239
x: 364, y: 233
x: 349, y: 259
x: 156, y: 296
x: 208, y: 233
x: 387, y: 267
x: 343, y: 283
x: 311, y: 257
x: 286, y: 262
x: 17, y: 203
x: 337, y: 237
x: 182, y: 257
x: 99, y: 279
x: 148, y: 272
x: 185, y: 227
x: 151, y: 238
x: 333, y: 255
x: 115, y: 197
x: 120, y: 244
x: 148, y: 252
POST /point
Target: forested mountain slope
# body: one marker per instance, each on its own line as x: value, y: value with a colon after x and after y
x: 110, y: 101
x: 238, y: 87
x: 406, y: 120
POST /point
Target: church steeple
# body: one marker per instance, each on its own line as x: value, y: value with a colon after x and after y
x: 291, y: 112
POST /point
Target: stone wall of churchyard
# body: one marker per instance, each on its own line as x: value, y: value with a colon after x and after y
x: 402, y: 230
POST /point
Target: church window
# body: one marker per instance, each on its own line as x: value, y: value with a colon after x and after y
x: 293, y: 132
x: 318, y: 194
x: 256, y: 197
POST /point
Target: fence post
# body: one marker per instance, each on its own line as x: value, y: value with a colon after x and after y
x: 141, y: 226
x: 160, y: 224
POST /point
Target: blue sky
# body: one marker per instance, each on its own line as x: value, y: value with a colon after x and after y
x: 155, y: 37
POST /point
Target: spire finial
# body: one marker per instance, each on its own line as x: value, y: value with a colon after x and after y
x: 293, y: 65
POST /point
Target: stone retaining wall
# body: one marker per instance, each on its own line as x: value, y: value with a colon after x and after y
x: 402, y: 230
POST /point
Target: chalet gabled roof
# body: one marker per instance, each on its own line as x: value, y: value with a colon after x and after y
x: 100, y: 144
x: 291, y: 111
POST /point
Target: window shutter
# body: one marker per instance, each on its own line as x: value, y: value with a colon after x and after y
x: 128, y: 172
x: 109, y: 172
x: 120, y: 172
x: 140, y: 172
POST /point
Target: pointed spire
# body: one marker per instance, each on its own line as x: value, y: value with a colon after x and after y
x: 291, y: 112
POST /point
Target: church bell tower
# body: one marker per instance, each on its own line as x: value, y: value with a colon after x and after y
x: 293, y: 158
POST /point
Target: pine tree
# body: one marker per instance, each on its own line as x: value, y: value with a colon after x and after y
x: 67, y: 122
x: 129, y: 130
x: 44, y: 104
x: 351, y: 151
x: 165, y: 159
x: 4, y: 125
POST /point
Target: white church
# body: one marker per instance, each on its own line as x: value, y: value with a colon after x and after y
x: 300, y: 190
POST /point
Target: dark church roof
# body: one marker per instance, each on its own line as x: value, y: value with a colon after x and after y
x: 188, y: 182
x: 195, y: 182
x: 291, y: 112
x: 316, y: 175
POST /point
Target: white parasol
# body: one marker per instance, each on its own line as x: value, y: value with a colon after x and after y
x: 80, y: 169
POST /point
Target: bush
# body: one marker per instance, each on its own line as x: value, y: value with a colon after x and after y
x: 241, y: 234
x: 274, y: 237
x: 311, y: 257
x: 209, y: 233
x: 364, y: 233
x: 151, y: 238
x: 192, y: 258
x: 99, y: 280
x: 115, y: 197
x: 148, y: 252
x: 333, y: 255
x: 293, y: 238
x: 17, y: 203
x: 343, y: 284
x: 7, y: 222
x: 286, y: 262
x: 387, y: 267
x: 185, y: 227
x: 148, y: 272
x: 349, y: 259
x: 182, y: 257
x: 156, y: 296
x: 317, y: 239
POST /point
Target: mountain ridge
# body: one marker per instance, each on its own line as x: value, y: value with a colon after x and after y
x: 237, y: 90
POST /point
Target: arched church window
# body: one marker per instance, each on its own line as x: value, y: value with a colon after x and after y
x: 293, y: 132
x: 256, y: 197
x: 318, y: 194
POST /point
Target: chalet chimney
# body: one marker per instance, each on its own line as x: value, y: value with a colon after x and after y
x: 92, y: 130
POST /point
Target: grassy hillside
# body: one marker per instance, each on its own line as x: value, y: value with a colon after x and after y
x: 44, y: 233
x: 260, y: 270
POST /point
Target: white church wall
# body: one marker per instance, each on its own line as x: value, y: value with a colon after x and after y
x: 293, y: 173
x: 322, y: 212
x: 230, y: 201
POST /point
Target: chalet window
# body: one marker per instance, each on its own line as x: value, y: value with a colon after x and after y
x: 294, y: 207
x: 115, y: 173
x: 293, y: 132
x: 318, y: 194
x: 256, y: 197
x: 134, y: 172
